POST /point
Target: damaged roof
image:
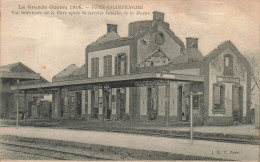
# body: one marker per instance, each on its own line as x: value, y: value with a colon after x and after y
x: 189, y: 54
x: 67, y: 71
x: 105, y: 38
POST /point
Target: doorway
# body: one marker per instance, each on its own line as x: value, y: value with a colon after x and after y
x: 94, y: 104
x: 240, y: 92
x: 107, y: 104
x: 121, y: 103
x: 78, y: 105
x: 152, y: 99
x: 181, y: 110
x: 237, y: 103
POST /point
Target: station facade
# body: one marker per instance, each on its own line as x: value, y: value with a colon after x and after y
x: 150, y: 75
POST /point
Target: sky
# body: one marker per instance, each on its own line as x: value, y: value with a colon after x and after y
x: 49, y: 43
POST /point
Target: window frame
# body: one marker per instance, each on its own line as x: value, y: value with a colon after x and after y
x: 221, y: 109
x: 229, y: 69
x: 118, y: 60
x: 107, y: 65
x: 95, y: 67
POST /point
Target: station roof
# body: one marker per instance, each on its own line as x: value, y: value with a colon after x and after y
x: 18, y: 71
x: 111, y: 79
x: 16, y: 75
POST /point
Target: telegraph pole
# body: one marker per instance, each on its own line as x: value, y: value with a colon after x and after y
x: 17, y: 104
x: 104, y: 99
x: 167, y: 102
x: 191, y: 118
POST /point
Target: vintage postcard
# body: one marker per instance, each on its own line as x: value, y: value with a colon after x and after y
x: 129, y: 80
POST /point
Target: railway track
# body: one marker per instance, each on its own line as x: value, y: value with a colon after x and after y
x: 49, y: 153
x: 185, y: 136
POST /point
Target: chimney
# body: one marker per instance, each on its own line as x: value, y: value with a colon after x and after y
x: 111, y: 27
x: 158, y: 15
x: 192, y: 42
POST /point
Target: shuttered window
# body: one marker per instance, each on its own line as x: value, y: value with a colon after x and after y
x: 216, y: 91
x: 95, y: 67
x: 108, y: 65
x: 219, y: 96
x: 121, y: 64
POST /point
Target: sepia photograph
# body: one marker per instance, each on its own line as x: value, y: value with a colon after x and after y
x: 129, y: 80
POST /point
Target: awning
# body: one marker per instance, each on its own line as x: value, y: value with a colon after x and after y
x: 111, y: 79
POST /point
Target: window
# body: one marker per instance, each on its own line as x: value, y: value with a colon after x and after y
x: 226, y: 61
x: 191, y: 59
x: 195, y: 101
x: 95, y: 67
x: 108, y: 65
x: 228, y: 65
x: 120, y: 64
x: 218, y: 97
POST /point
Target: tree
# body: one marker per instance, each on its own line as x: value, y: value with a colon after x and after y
x: 254, y: 62
x: 255, y: 90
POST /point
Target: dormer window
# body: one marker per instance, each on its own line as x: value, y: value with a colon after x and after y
x: 228, y: 64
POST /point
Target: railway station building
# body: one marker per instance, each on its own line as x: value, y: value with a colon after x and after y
x: 150, y: 75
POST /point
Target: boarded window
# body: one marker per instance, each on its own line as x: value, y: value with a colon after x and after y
x: 95, y: 67
x: 108, y: 65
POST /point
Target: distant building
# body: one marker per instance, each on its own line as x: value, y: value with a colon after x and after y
x: 149, y: 76
x: 9, y: 74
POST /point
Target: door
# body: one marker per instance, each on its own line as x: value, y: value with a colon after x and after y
x: 34, y: 111
x: 180, y: 109
x: 30, y: 109
x: 149, y: 103
x: 62, y: 107
x: 120, y: 103
x: 108, y: 105
x: 152, y: 99
x: 78, y: 104
x: 235, y: 103
x: 240, y: 106
x: 50, y: 110
x: 94, y: 104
